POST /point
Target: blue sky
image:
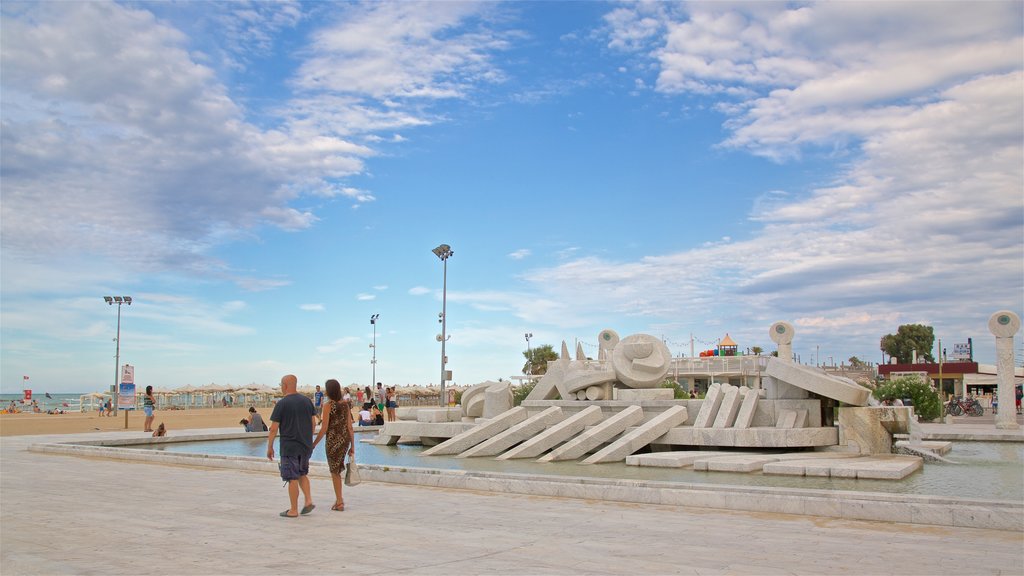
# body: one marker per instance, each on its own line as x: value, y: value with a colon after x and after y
x: 262, y: 177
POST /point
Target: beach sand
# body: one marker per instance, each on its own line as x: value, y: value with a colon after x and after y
x: 77, y: 422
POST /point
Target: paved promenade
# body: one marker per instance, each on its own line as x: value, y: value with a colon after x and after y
x: 72, y: 515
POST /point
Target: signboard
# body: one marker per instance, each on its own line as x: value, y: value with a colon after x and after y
x: 126, y: 396
x: 28, y: 394
x: 126, y: 393
x: 961, y: 351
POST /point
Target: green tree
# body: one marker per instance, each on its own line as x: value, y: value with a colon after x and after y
x: 909, y: 337
x: 857, y: 362
x: 756, y: 350
x: 519, y: 393
x: 677, y: 391
x: 537, y: 359
x: 927, y: 404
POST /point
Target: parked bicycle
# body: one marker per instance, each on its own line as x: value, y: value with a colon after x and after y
x: 958, y: 406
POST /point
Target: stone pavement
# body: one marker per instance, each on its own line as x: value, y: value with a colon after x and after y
x: 72, y: 515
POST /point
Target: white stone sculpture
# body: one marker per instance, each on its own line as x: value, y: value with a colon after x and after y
x: 782, y: 334
x: 1004, y: 325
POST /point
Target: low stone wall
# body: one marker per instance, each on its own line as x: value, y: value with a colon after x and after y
x: 906, y: 508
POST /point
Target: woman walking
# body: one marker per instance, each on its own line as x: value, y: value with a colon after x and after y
x: 337, y: 425
x: 148, y: 404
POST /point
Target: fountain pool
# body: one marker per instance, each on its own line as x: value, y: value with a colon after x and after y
x: 985, y: 470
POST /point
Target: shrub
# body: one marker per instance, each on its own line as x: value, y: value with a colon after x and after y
x: 519, y: 393
x: 677, y: 391
x: 927, y: 404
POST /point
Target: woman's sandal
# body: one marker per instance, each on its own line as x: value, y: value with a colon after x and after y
x: 338, y: 507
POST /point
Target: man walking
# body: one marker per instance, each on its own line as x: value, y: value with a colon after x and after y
x: 295, y: 417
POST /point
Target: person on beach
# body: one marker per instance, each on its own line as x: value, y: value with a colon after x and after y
x: 391, y: 403
x: 295, y: 417
x: 365, y: 418
x: 318, y: 402
x: 109, y: 407
x: 378, y: 416
x: 337, y: 424
x: 148, y: 403
x: 160, y: 431
x: 256, y: 423
x: 380, y: 394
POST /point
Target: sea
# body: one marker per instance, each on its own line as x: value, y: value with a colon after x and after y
x: 56, y: 401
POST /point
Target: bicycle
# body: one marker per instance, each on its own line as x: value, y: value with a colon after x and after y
x: 957, y: 406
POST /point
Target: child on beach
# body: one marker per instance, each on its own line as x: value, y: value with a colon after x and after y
x: 160, y: 431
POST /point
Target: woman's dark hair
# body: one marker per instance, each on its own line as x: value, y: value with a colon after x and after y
x: 149, y: 389
x: 333, y: 389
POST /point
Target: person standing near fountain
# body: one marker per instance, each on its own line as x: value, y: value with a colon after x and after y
x: 337, y: 424
x: 148, y: 404
x: 295, y: 417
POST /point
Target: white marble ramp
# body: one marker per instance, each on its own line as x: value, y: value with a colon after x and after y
x: 709, y: 407
x: 642, y: 436
x: 886, y: 467
x: 516, y: 434
x: 729, y: 408
x: 678, y: 459
x: 595, y: 435
x: 479, y: 433
x: 555, y: 434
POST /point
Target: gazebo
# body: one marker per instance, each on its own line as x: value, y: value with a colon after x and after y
x: 727, y: 347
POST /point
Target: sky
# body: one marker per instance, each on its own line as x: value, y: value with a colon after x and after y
x: 261, y: 178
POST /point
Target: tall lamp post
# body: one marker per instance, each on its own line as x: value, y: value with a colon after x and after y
x: 373, y: 362
x: 111, y: 300
x: 444, y: 252
x: 529, y: 356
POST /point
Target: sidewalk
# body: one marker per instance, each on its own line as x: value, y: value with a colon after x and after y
x: 69, y: 515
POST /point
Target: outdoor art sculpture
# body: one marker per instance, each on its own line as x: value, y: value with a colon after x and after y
x: 638, y: 361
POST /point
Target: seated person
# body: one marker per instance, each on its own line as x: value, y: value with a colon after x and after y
x: 160, y: 431
x: 256, y: 423
x: 365, y: 418
x: 378, y: 416
x: 245, y: 424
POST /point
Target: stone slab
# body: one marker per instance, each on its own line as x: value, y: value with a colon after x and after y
x: 816, y: 381
x: 677, y: 459
x: 555, y: 434
x: 893, y: 467
x: 709, y: 408
x: 640, y: 394
x: 642, y: 436
x: 748, y: 407
x: 786, y: 419
x: 516, y: 434
x: 594, y: 436
x: 750, y: 437
x: 728, y: 408
x: 431, y: 415
x: 392, y: 431
x: 754, y: 463
x: 479, y: 433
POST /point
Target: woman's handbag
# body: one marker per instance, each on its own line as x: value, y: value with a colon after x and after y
x: 352, y: 474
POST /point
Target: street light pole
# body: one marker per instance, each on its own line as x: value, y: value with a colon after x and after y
x: 373, y: 362
x: 444, y: 252
x: 110, y: 300
x: 529, y: 356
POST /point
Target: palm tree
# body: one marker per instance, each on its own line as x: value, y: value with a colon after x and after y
x: 537, y: 359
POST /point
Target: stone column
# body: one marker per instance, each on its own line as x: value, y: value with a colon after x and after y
x: 782, y: 334
x: 1004, y: 324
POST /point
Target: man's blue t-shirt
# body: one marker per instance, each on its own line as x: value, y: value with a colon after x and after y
x: 318, y: 398
x: 294, y: 415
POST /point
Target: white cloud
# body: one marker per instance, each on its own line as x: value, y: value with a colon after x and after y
x: 339, y: 345
x: 364, y: 296
x: 419, y: 290
x: 312, y: 307
x: 381, y: 287
x: 519, y: 254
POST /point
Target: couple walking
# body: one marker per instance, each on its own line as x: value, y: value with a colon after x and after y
x: 294, y: 416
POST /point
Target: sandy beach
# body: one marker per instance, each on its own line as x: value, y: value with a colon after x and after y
x: 77, y: 422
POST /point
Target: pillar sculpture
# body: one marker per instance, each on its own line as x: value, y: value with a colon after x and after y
x: 1003, y: 325
x: 782, y: 334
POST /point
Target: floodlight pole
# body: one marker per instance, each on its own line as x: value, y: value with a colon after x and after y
x: 444, y: 252
x: 111, y: 300
x: 373, y: 362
